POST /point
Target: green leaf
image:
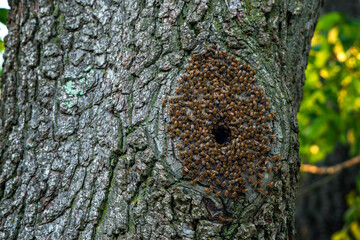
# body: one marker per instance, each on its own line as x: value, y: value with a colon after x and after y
x: 329, y: 20
x: 2, y: 46
x: 316, y: 129
x: 358, y: 182
x: 3, y: 15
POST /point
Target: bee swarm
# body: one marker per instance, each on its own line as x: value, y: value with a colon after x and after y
x: 222, y: 125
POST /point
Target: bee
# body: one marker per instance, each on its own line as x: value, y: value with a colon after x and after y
x: 207, y: 165
x: 270, y: 117
x: 193, y: 181
x: 244, y: 167
x: 218, y: 167
x: 267, y: 105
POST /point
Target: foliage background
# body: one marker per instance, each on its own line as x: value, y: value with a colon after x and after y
x: 330, y: 111
x: 3, y: 18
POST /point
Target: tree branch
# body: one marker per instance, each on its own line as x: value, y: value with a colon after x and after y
x: 330, y: 170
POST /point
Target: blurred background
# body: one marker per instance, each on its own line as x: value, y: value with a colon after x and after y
x: 328, y: 203
x: 3, y: 30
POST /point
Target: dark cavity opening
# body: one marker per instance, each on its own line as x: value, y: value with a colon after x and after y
x: 222, y: 134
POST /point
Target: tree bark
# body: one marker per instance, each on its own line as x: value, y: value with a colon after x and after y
x: 84, y: 151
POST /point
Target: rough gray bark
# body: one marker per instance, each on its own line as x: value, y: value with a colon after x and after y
x: 83, y: 151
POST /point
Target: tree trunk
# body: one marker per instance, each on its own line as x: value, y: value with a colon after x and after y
x: 84, y: 150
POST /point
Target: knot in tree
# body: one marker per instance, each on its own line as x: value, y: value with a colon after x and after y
x: 221, y: 133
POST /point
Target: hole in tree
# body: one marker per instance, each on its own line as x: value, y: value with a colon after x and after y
x: 221, y: 134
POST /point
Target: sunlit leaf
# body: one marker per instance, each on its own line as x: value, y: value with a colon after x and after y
x: 355, y: 230
x: 341, y: 235
x: 2, y: 46
x: 333, y: 35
